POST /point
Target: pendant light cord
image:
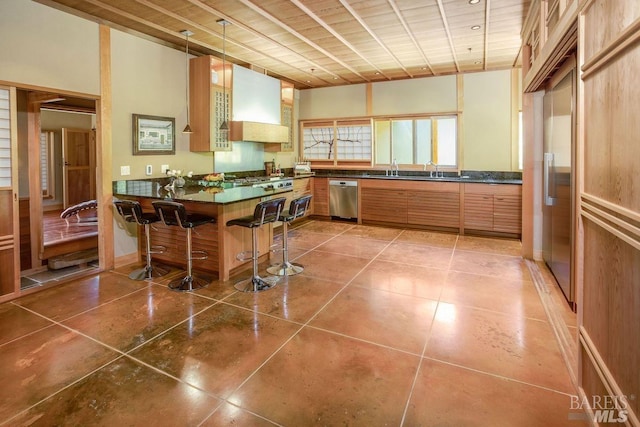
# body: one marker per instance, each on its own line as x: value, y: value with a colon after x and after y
x: 224, y: 125
x: 186, y: 62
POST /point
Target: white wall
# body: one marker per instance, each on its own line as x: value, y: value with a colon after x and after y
x: 150, y: 79
x: 332, y: 102
x: 42, y: 46
x: 416, y: 96
x: 487, y: 121
x: 486, y: 143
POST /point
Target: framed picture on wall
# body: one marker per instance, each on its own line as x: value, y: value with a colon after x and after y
x: 153, y: 135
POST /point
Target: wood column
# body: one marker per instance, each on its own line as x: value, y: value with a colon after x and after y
x: 104, y: 187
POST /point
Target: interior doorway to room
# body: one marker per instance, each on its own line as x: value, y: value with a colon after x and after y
x: 57, y: 144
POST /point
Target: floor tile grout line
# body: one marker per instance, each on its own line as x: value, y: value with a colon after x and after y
x: 419, y: 367
x: 31, y: 332
x: 255, y: 371
x: 58, y: 322
x: 351, y: 280
x: 428, y: 337
x: 120, y: 354
x: 317, y: 246
x: 494, y: 375
x: 71, y: 384
x: 223, y: 401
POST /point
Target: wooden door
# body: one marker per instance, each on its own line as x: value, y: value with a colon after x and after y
x: 9, y: 232
x: 79, y: 160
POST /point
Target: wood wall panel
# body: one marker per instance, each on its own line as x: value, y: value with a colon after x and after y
x: 609, y: 203
x: 7, y: 243
x: 25, y: 235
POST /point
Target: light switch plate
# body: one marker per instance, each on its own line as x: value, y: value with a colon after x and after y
x: 125, y: 170
x: 164, y: 168
x: 149, y: 170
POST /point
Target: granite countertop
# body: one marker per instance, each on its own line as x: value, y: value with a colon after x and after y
x: 465, y: 176
x: 154, y: 189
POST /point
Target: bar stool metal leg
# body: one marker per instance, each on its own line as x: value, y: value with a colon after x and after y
x: 189, y: 282
x: 149, y: 271
x: 285, y: 268
x: 255, y: 283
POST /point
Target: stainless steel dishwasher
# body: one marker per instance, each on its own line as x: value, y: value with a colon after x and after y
x: 343, y: 199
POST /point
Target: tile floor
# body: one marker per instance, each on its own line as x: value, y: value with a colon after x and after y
x: 385, y: 327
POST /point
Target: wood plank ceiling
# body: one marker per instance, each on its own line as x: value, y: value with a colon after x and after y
x: 319, y: 43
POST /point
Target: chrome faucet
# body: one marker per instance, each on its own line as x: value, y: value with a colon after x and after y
x: 430, y: 163
x: 395, y: 166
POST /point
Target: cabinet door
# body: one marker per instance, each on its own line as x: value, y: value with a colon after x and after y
x: 478, y: 212
x: 286, y: 115
x: 321, y: 196
x: 384, y: 205
x: 434, y: 208
x: 220, y: 111
x: 507, y: 215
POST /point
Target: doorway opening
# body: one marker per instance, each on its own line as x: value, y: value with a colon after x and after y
x: 57, y: 155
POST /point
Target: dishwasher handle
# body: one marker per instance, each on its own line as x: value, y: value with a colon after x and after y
x: 337, y: 183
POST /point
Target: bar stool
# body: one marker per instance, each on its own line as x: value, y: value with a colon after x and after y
x: 175, y: 214
x: 297, y: 209
x: 264, y: 213
x: 131, y: 211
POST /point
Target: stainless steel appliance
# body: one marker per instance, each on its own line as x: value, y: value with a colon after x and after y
x: 343, y: 199
x: 558, y: 180
x: 274, y: 183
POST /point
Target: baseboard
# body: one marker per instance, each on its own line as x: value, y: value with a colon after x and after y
x: 127, y: 259
x: 568, y: 347
x: 49, y: 208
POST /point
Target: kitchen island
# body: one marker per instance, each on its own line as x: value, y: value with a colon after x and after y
x: 221, y: 243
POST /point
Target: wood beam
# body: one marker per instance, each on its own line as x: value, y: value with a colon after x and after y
x: 403, y: 21
x: 445, y: 23
x: 284, y: 26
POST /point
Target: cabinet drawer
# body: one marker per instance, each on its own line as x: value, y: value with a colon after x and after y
x: 433, y: 208
x: 478, y: 212
x: 385, y: 205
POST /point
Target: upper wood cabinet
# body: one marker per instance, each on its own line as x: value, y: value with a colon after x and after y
x: 209, y: 103
x: 211, y: 98
x: 286, y: 113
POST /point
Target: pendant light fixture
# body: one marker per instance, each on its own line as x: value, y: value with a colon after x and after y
x: 225, y: 124
x: 187, y: 34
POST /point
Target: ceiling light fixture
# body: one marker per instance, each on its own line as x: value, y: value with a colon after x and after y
x: 475, y: 27
x: 187, y: 34
x: 225, y: 124
x: 474, y: 1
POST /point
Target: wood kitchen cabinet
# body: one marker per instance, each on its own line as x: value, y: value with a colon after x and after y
x: 384, y: 205
x: 286, y: 113
x: 434, y: 204
x: 417, y: 203
x: 320, y: 196
x: 301, y: 187
x: 493, y: 208
x: 209, y: 104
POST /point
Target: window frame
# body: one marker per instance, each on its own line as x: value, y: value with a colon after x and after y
x: 434, y: 146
